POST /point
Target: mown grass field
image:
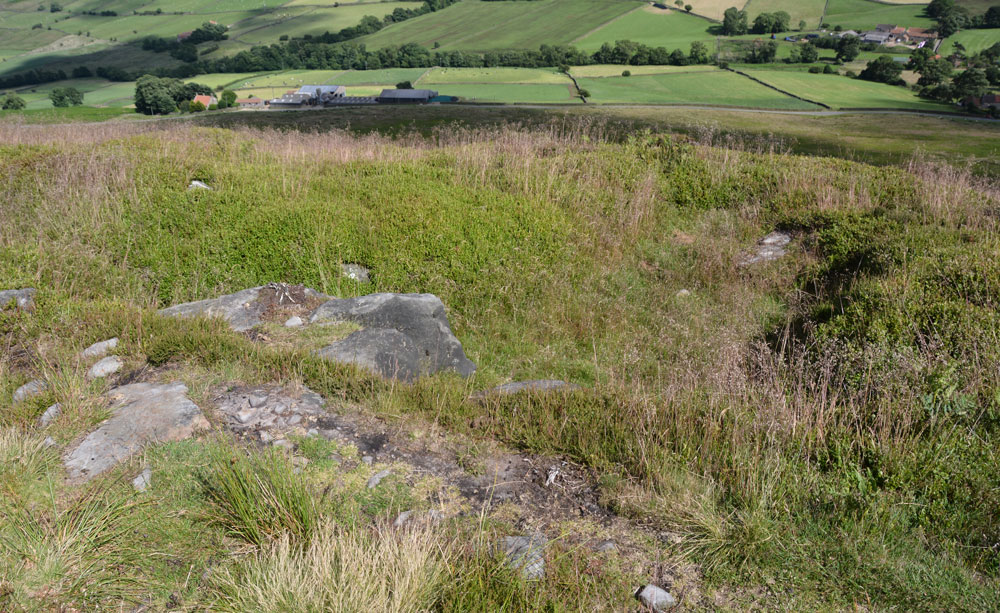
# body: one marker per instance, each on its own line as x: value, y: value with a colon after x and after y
x: 973, y: 41
x: 710, y: 87
x: 311, y: 21
x: 713, y: 9
x: 650, y: 26
x: 826, y: 421
x: 842, y: 92
x: 864, y: 15
x: 494, y: 75
x: 476, y: 25
x: 615, y: 70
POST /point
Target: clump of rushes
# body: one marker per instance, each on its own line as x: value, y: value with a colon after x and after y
x: 257, y: 496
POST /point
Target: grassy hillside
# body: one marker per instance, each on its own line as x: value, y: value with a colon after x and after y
x: 650, y: 26
x: 864, y: 15
x: 838, y: 92
x: 476, y: 25
x: 803, y: 434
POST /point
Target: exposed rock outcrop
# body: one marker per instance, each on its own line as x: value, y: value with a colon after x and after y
x: 101, y: 349
x: 387, y: 318
x: 18, y: 298
x: 525, y: 553
x: 104, y: 367
x: 145, y: 413
x: 769, y: 248
x: 655, y: 598
x: 244, y: 309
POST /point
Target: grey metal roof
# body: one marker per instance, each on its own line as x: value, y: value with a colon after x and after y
x: 407, y: 94
x: 319, y: 90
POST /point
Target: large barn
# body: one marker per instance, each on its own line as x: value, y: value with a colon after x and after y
x: 406, y: 96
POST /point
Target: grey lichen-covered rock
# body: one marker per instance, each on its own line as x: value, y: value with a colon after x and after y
x: 100, y: 349
x: 196, y: 184
x: 420, y: 317
x: 142, y: 481
x: 356, y: 272
x: 537, y: 386
x: 293, y: 322
x: 769, y: 248
x: 243, y: 310
x: 51, y: 414
x: 527, y: 554
x: 655, y: 598
x: 29, y: 390
x: 144, y: 413
x: 385, y: 352
x: 104, y: 367
x: 375, y: 479
x: 23, y: 299
x: 431, y: 516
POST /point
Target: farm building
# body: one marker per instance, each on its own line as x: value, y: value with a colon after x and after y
x: 875, y: 36
x: 250, y: 103
x: 323, y: 91
x: 207, y: 101
x: 406, y: 96
x: 988, y: 101
x: 292, y: 100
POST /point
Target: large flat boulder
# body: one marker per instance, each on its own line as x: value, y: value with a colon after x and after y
x: 419, y: 317
x: 245, y: 309
x: 18, y: 298
x: 385, y: 352
x: 145, y: 413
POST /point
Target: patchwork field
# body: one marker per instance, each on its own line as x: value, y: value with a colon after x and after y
x: 715, y: 87
x: 810, y: 11
x: 475, y: 25
x: 96, y: 92
x: 650, y: 26
x: 842, y: 92
x: 864, y: 14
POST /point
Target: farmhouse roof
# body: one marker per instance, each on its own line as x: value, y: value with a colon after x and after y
x: 319, y: 90
x: 885, y: 27
x: 206, y: 100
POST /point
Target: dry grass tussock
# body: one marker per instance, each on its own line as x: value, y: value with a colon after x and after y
x: 340, y: 571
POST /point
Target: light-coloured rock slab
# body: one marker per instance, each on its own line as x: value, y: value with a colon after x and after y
x: 104, y: 367
x: 23, y: 299
x: 538, y: 386
x: 142, y: 480
x: 51, y: 414
x: 101, y: 349
x: 144, y: 413
x: 29, y: 390
x: 655, y: 598
x: 771, y: 247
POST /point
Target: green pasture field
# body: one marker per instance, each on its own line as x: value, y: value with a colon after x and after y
x: 313, y: 21
x: 27, y: 39
x: 136, y: 27
x: 865, y: 15
x: 385, y: 76
x: 494, y: 75
x: 475, y: 25
x: 510, y: 92
x: 290, y: 78
x: 973, y: 40
x: 96, y: 92
x: 225, y: 79
x: 650, y: 26
x: 615, y: 70
x: 321, y: 2
x: 976, y: 7
x: 843, y: 92
x: 810, y: 11
x: 718, y: 88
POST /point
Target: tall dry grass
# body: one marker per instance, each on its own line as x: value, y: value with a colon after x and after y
x: 340, y: 571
